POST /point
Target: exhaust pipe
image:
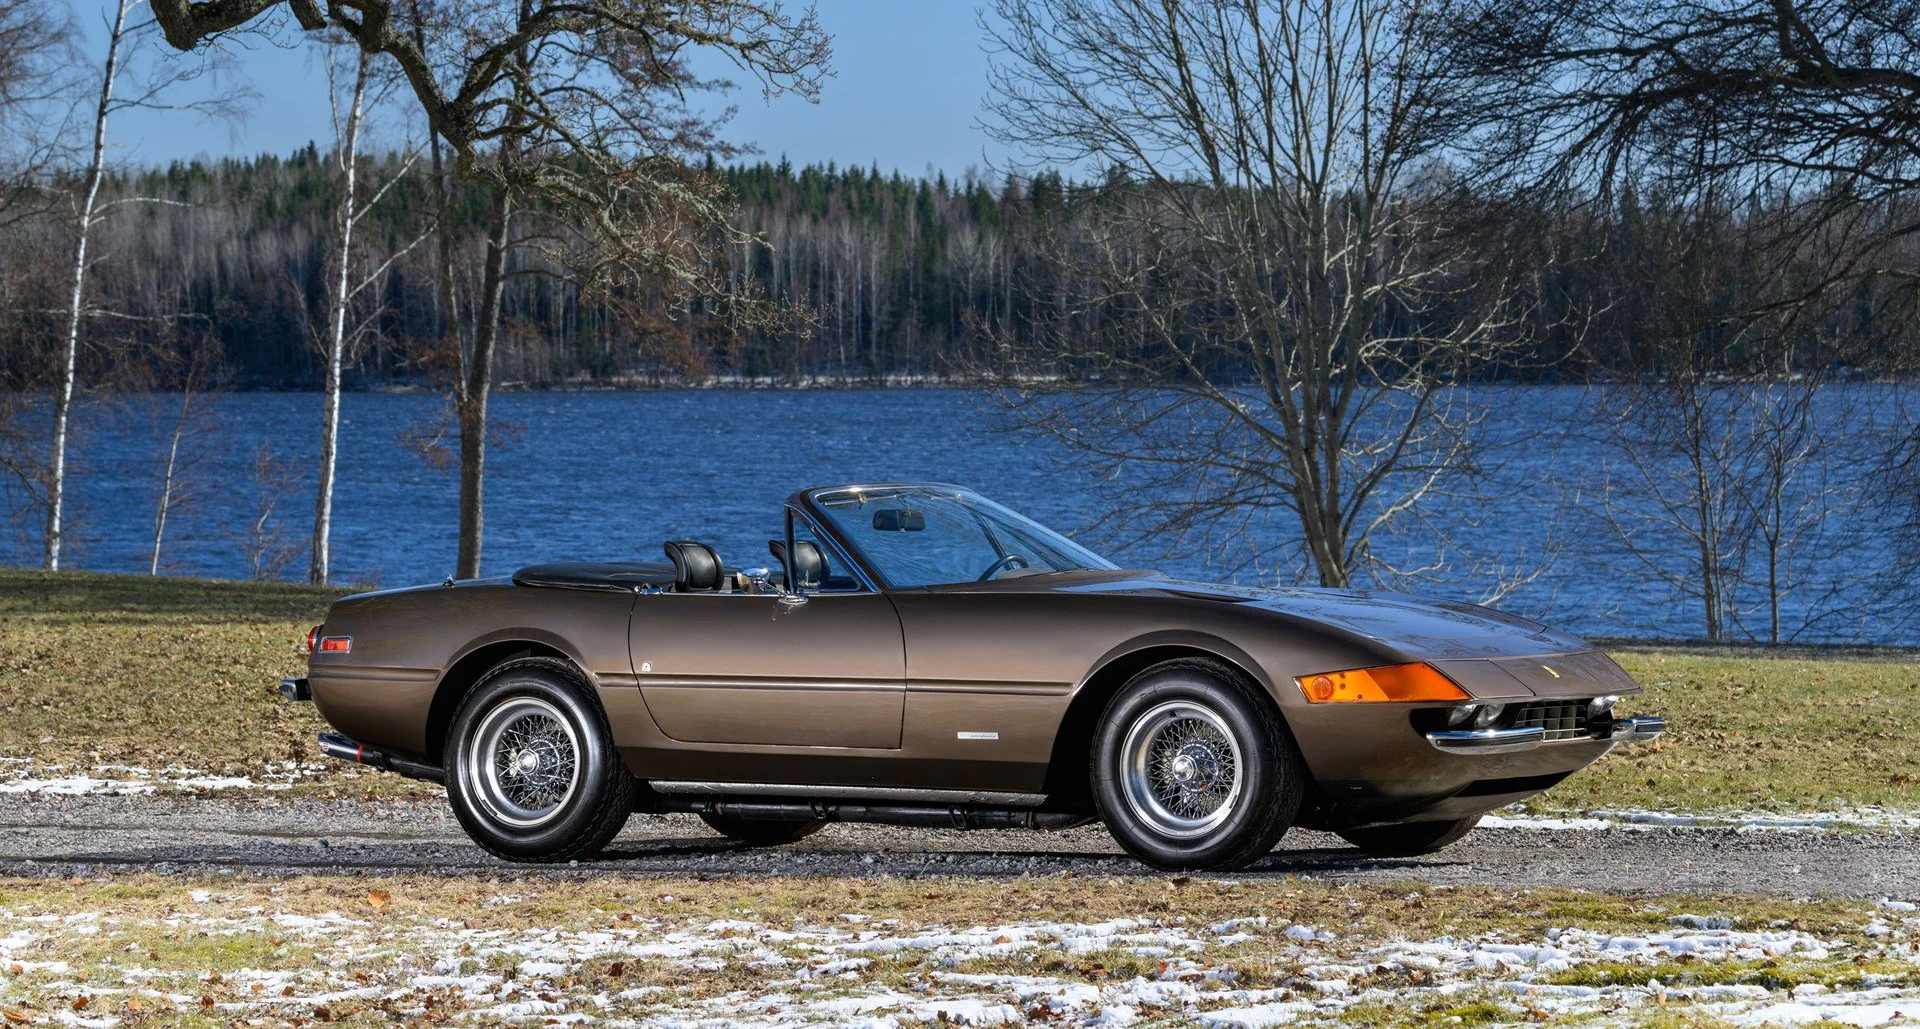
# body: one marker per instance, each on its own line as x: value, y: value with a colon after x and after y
x: 340, y: 748
x: 923, y: 816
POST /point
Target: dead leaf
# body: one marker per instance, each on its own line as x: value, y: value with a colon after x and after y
x: 16, y: 1017
x: 80, y: 1003
x: 206, y: 1002
x: 133, y: 1005
x: 381, y: 900
x: 617, y: 969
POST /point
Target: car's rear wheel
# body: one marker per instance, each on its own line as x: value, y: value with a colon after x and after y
x: 1409, y: 839
x: 1193, y: 768
x: 532, y: 774
x: 761, y: 832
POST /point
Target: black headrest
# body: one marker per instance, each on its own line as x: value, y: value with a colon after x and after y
x: 810, y: 565
x: 696, y: 566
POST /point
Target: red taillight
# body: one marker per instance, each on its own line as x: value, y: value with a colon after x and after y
x: 313, y: 639
x: 336, y: 644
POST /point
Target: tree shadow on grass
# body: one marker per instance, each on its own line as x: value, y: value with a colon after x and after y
x: 88, y: 597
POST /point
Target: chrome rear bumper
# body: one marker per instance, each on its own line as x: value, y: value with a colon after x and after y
x: 1507, y: 741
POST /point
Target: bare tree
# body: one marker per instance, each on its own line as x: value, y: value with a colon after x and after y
x: 1793, y: 493
x: 123, y: 36
x: 347, y: 154
x: 576, y: 111
x: 1801, y: 113
x: 1721, y: 430
x: 83, y: 231
x: 345, y: 280
x: 1269, y: 302
x: 36, y: 49
x: 265, y: 546
x: 35, y: 45
x: 1782, y: 92
x: 190, y: 362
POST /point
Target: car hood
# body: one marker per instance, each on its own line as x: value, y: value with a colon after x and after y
x: 1421, y: 628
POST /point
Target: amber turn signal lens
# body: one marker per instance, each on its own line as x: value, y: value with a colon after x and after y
x: 1389, y: 683
x: 336, y: 645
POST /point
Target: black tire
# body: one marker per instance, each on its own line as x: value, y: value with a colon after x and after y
x: 551, y: 700
x: 1408, y: 839
x: 761, y: 832
x: 1224, y: 720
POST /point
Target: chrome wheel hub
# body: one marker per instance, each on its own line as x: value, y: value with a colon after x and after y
x: 1182, y: 769
x: 522, y: 762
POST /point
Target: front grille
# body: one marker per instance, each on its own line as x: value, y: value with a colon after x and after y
x: 1562, y: 719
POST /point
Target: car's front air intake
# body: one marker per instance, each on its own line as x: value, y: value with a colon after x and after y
x: 1559, y: 719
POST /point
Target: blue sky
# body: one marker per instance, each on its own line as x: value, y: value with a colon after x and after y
x: 909, y: 76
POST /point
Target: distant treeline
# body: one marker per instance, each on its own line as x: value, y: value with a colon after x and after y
x: 897, y: 277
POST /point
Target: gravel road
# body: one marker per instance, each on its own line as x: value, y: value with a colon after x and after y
x: 64, y: 835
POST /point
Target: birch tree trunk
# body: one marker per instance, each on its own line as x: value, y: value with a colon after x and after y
x: 166, y: 479
x: 348, y: 154
x: 76, y: 303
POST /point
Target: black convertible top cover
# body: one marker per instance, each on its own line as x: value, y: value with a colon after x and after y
x: 597, y: 575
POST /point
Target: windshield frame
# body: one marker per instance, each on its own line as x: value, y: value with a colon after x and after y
x: 808, y: 502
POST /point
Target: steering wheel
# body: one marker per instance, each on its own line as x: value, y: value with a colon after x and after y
x: 1010, y: 561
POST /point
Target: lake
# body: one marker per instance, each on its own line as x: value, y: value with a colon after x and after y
x: 611, y: 475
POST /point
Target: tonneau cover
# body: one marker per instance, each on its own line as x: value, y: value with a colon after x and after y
x: 597, y: 575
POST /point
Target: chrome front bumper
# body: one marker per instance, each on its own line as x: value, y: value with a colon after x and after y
x: 1508, y: 741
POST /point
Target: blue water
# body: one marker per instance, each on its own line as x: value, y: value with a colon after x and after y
x: 611, y: 475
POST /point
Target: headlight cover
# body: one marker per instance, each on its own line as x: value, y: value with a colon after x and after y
x: 1418, y: 681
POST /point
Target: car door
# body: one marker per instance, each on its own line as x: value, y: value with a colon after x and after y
x: 761, y: 670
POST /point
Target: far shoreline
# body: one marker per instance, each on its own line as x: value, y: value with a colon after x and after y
x: 904, y: 382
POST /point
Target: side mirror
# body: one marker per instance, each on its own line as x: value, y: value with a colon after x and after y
x: 766, y: 585
x: 898, y: 519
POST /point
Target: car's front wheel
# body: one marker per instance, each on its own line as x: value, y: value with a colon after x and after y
x: 1193, y: 768
x: 532, y: 774
x: 1409, y: 839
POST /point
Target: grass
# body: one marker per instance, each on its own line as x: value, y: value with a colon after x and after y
x: 216, y: 950
x: 1754, y: 732
x: 100, y: 670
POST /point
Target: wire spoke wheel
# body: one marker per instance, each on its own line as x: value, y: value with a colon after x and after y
x: 1182, y: 769
x: 523, y: 763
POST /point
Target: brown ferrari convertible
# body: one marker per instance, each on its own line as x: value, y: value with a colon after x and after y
x: 917, y: 654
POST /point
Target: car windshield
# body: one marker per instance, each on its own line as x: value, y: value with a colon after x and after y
x: 929, y: 535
